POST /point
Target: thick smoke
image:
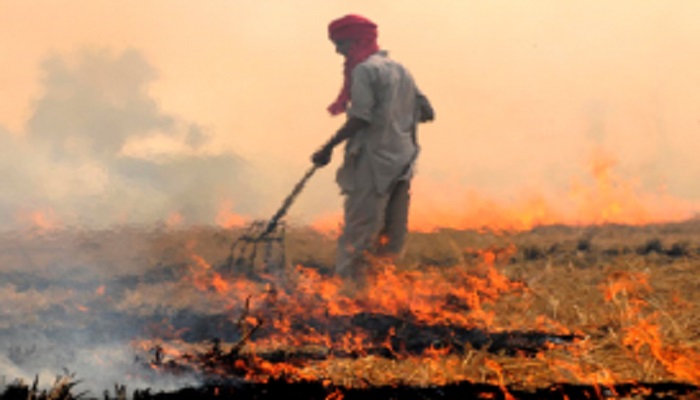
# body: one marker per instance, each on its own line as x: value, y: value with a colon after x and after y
x: 85, y: 157
x: 87, y: 160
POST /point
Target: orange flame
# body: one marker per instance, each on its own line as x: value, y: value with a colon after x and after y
x: 612, y: 199
x: 644, y: 331
x: 204, y: 278
x: 227, y: 218
x: 601, y: 196
x: 496, y: 368
x: 330, y: 223
x: 464, y: 296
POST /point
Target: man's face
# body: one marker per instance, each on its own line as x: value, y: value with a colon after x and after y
x: 342, y: 46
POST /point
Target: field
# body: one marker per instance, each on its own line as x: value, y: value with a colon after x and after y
x: 612, y: 308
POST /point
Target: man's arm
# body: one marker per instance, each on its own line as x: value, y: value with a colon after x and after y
x: 323, y: 155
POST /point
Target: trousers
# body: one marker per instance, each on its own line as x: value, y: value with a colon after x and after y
x: 375, y: 225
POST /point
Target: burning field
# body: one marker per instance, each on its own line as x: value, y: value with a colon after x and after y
x: 559, y: 312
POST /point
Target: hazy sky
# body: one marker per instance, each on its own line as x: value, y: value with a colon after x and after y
x: 547, y: 111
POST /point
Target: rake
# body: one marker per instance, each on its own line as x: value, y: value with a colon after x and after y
x: 260, y: 249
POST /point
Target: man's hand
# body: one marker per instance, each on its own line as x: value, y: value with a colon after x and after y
x: 322, y: 156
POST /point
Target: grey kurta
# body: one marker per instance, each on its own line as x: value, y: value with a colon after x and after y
x: 378, y: 162
x: 383, y: 93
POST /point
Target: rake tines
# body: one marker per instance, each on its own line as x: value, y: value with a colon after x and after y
x: 258, y: 251
x: 245, y: 255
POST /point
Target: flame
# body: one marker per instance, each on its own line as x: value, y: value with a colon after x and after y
x: 219, y: 284
x: 389, y: 291
x: 476, y: 211
x: 612, y: 199
x: 335, y: 395
x: 642, y: 330
x: 496, y: 368
x: 602, y: 195
x: 330, y: 223
x: 465, y: 295
x: 203, y: 276
x: 227, y: 218
x: 576, y: 364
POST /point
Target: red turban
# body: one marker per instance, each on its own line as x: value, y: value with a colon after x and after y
x: 363, y: 34
x: 352, y: 27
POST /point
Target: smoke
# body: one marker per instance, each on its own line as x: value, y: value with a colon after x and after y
x: 99, y: 151
x: 86, y: 160
x: 96, y: 367
x: 75, y: 302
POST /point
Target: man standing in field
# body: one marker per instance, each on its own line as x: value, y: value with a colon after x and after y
x: 383, y: 107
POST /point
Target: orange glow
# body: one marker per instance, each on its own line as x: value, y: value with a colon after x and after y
x: 604, y: 197
x: 612, y: 199
x: 477, y: 213
x: 336, y: 395
x: 428, y: 213
x: 40, y: 220
x: 607, y: 198
x: 227, y: 218
x: 219, y: 284
x: 330, y: 223
x: 174, y: 220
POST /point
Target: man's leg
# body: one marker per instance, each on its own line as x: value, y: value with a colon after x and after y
x: 364, y: 218
x: 395, y: 220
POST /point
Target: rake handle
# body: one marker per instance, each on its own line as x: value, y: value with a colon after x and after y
x: 288, y: 202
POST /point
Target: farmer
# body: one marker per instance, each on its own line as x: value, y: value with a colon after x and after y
x: 383, y: 107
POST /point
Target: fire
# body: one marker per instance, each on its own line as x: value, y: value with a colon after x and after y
x: 475, y: 211
x: 434, y: 297
x: 496, y: 368
x: 576, y: 365
x: 642, y: 330
x: 336, y: 395
x: 204, y: 277
x: 365, y: 333
x: 423, y: 294
x: 227, y: 218
x: 601, y: 195
x: 330, y: 223
x: 219, y: 284
x: 613, y: 199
